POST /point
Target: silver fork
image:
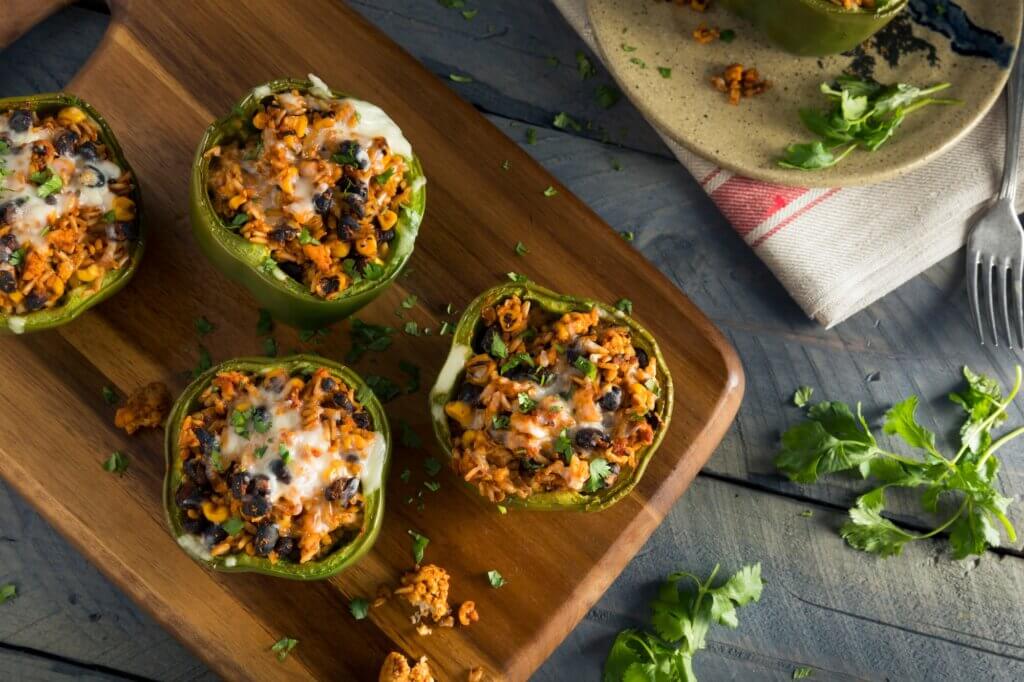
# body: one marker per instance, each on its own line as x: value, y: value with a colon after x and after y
x: 995, y: 248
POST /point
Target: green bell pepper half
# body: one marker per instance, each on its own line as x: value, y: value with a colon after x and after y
x: 251, y: 264
x: 77, y: 300
x: 373, y: 511
x: 814, y: 27
x: 451, y: 373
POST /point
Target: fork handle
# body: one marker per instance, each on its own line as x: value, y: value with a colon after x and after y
x: 1014, y: 118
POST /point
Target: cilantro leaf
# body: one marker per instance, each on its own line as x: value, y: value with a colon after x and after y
x: 599, y: 470
x: 117, y: 463
x: 359, y: 608
x: 563, y: 446
x: 584, y: 66
x: 802, y: 396
x: 419, y: 545
x: 8, y: 592
x: 283, y: 647
x: 495, y: 579
x: 409, y: 437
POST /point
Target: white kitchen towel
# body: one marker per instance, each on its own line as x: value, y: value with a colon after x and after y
x: 838, y: 250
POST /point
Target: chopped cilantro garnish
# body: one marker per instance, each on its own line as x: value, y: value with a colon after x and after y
x: 109, y: 396
x: 359, y: 608
x: 468, y: 14
x: 584, y: 365
x: 48, y: 181
x: 584, y: 66
x: 531, y: 136
x: 205, y: 362
x: 628, y: 48
x: 521, y: 249
x: 117, y: 463
x: 233, y: 526
x: 564, y: 121
x: 727, y: 36
x: 639, y: 62
x: 203, y: 326
x: 665, y: 71
x: 526, y: 403
x: 270, y: 347
x: 432, y: 486
x: 265, y: 324
x: 563, y: 446
x: 607, y: 96
x: 367, y: 337
x: 411, y: 328
x: 495, y: 579
x: 502, y: 509
x: 8, y: 592
x: 3, y: 147
x: 284, y: 453
x: 624, y: 305
x: 373, y: 271
x: 236, y: 222
x: 409, y: 301
x: 628, y: 235
x: 405, y: 475
x: 385, y: 389
x: 652, y: 386
x: 240, y: 422
x: 17, y: 256
x: 499, y: 422
x: 515, y: 361
x: 498, y: 347
x: 517, y: 278
x: 261, y: 451
x: 109, y: 217
x: 306, y: 238
x: 409, y: 437
x: 616, y: 166
x: 383, y: 178
x: 432, y: 466
x: 419, y: 544
x: 459, y: 79
x: 261, y: 420
x: 802, y: 396
x: 283, y: 647
x: 506, y: 164
x: 599, y: 470
x: 446, y: 328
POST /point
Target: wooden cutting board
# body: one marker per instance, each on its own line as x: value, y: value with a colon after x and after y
x: 161, y: 74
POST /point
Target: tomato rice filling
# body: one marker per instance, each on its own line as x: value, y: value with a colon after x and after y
x: 277, y: 465
x: 320, y: 182
x: 551, y: 402
x: 66, y: 215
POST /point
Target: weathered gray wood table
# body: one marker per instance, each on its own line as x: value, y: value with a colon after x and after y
x: 847, y: 615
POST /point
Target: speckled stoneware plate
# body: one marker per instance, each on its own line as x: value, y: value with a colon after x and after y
x: 969, y: 43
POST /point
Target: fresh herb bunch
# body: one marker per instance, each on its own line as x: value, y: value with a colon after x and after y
x: 864, y: 113
x: 832, y: 439
x: 685, y: 609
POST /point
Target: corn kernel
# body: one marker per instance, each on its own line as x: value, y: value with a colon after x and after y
x: 367, y: 246
x: 340, y: 249
x: 215, y: 513
x: 388, y: 219
x: 88, y: 274
x: 236, y: 201
x: 70, y: 115
x: 259, y: 121
x: 460, y: 412
x: 124, y: 208
x: 16, y: 296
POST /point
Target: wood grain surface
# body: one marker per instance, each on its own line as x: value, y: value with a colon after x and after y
x: 846, y: 615
x: 157, y: 98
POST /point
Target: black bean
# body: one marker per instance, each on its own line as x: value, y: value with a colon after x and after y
x: 239, y: 483
x: 207, y: 441
x: 485, y: 342
x: 591, y: 439
x: 188, y: 496
x: 194, y: 526
x: 293, y: 270
x: 282, y: 234
x: 7, y: 214
x: 287, y: 548
x: 334, y: 490
x: 275, y: 383
x: 354, y: 204
x: 214, y: 535
x: 363, y: 420
x: 611, y: 400
x: 8, y: 282
x: 65, y: 144
x: 88, y: 151
x: 92, y: 176
x: 469, y: 393
x: 123, y: 231
x: 573, y: 352
x: 255, y: 506
x: 323, y: 202
x: 329, y: 285
x: 195, y: 471
x: 327, y: 384
x: 349, y: 491
x: 267, y: 536
x: 260, y: 485
x: 348, y: 227
x: 341, y: 401
x: 280, y: 469
x: 351, y: 149
x: 50, y: 200
x: 21, y: 120
x: 36, y: 300
x: 642, y: 358
x: 614, y: 469
x: 653, y: 419
x: 385, y: 236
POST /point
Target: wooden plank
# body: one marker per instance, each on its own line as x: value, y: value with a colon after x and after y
x: 21, y: 15
x: 148, y: 333
x: 27, y: 668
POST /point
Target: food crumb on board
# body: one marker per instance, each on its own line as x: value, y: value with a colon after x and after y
x: 738, y: 82
x: 396, y: 668
x: 147, y: 406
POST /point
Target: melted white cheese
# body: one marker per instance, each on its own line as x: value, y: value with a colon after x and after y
x: 193, y: 545
x: 447, y: 377
x: 314, y: 462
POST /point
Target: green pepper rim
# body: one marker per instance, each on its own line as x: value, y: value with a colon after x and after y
x: 461, y: 349
x: 340, y: 558
x: 244, y: 262
x: 814, y: 27
x: 78, y: 300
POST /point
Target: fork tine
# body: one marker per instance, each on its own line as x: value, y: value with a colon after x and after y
x: 987, y: 273
x: 973, y: 272
x: 1016, y: 275
x: 1002, y: 273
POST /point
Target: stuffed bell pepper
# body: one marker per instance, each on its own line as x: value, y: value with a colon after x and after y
x: 277, y: 466
x: 70, y: 234
x: 309, y: 198
x: 549, y: 401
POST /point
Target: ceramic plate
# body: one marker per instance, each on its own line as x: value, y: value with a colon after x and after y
x: 969, y: 43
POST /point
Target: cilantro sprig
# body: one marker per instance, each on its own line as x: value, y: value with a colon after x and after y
x: 864, y: 113
x: 684, y: 611
x: 961, y: 489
